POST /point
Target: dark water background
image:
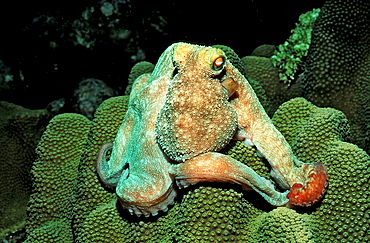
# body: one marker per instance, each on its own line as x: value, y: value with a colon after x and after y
x: 43, y: 72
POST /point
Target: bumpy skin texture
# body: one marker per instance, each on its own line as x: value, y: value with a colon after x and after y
x: 218, y: 211
x: 196, y: 116
x: 192, y: 105
x: 20, y: 131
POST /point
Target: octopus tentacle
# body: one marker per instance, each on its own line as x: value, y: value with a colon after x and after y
x: 311, y: 191
x: 216, y: 167
x: 194, y: 102
x: 101, y: 165
x: 134, y: 196
x: 287, y: 170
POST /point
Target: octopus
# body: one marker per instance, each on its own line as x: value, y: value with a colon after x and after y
x: 179, y: 117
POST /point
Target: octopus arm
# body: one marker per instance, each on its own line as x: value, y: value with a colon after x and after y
x: 147, y: 189
x: 307, y: 182
x: 216, y: 167
x: 110, y: 171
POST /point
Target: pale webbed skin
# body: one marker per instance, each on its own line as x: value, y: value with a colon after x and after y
x: 190, y: 107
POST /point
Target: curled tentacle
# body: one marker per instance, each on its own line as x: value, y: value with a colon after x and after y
x: 101, y: 164
x: 312, y: 190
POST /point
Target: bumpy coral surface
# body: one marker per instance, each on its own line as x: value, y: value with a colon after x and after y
x: 206, y: 212
x: 337, y: 72
x: 336, y: 69
x: 296, y: 227
x: 20, y: 131
x: 318, y: 134
x: 264, y: 50
x: 51, y: 204
x: 263, y: 72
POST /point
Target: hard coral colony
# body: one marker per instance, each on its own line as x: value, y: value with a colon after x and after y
x: 70, y: 204
x: 192, y: 105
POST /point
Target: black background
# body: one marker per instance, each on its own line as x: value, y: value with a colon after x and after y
x: 241, y: 25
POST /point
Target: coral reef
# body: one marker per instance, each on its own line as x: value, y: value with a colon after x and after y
x: 51, y: 222
x: 289, y: 56
x: 318, y: 134
x: 296, y: 227
x: 207, y: 211
x: 90, y: 192
x: 337, y: 71
x: 276, y: 68
x: 263, y: 72
x: 20, y: 130
x: 264, y: 50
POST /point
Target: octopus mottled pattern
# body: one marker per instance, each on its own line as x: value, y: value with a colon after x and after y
x: 193, y: 103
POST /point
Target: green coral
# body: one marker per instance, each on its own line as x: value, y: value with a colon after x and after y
x: 90, y: 192
x: 264, y: 51
x: 219, y: 212
x: 262, y: 71
x: 214, y: 214
x: 51, y: 205
x: 317, y: 135
x: 20, y: 130
x: 296, y: 227
x: 51, y: 231
x: 337, y: 70
x: 104, y: 224
x: 288, y: 57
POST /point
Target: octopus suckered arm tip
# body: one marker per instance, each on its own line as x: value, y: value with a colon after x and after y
x: 178, y: 118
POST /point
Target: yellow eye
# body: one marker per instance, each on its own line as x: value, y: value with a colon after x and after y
x: 218, y: 63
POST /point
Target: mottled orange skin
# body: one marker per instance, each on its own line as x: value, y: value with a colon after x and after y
x: 197, y: 116
x: 178, y: 117
x: 310, y: 192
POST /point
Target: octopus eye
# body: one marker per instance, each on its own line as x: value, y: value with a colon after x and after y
x: 218, y: 63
